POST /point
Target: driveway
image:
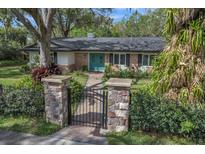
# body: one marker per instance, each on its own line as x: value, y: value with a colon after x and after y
x: 74, y: 135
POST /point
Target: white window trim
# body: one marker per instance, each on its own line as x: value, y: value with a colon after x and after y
x: 149, y: 55
x: 113, y: 59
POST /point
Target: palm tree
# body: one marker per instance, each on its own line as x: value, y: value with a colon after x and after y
x: 179, y: 72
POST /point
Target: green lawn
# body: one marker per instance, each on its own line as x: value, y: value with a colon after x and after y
x: 9, y: 75
x: 79, y: 76
x: 141, y: 138
x: 36, y: 126
x: 140, y: 83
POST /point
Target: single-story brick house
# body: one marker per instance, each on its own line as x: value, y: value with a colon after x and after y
x: 95, y: 53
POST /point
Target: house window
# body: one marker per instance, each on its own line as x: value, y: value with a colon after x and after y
x: 146, y: 60
x: 120, y: 59
x: 116, y: 59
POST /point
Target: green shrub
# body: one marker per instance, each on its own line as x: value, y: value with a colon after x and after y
x: 25, y: 69
x: 21, y: 101
x: 152, y: 113
x: 76, y: 90
x: 11, y: 62
x: 25, y: 98
x: 27, y: 82
x: 187, y: 126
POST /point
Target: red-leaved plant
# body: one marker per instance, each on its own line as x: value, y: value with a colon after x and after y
x: 41, y: 72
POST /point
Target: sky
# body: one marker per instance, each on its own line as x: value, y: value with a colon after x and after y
x: 120, y: 13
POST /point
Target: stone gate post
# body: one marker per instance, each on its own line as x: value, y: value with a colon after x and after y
x: 56, y: 99
x: 118, y: 104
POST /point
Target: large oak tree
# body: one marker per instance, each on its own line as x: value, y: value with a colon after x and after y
x: 39, y: 22
x: 68, y: 19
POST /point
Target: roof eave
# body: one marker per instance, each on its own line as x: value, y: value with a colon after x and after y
x: 90, y: 50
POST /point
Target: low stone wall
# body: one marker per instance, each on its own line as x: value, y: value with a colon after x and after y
x: 56, y: 99
x: 118, y: 104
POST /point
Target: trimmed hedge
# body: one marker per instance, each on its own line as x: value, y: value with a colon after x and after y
x: 155, y: 114
x: 11, y: 62
x: 24, y: 98
x: 22, y: 101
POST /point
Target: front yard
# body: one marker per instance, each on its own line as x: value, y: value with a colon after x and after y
x: 141, y: 138
x: 36, y: 126
x: 9, y: 75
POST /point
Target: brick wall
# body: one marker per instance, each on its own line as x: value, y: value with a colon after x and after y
x: 133, y: 60
x: 81, y: 59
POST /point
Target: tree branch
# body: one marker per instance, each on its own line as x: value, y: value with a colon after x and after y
x: 26, y: 23
x: 50, y: 14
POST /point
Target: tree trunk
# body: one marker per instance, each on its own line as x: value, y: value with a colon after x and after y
x: 45, y: 59
x: 43, y: 19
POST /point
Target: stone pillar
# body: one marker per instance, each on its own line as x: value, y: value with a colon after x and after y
x: 56, y: 99
x: 118, y: 104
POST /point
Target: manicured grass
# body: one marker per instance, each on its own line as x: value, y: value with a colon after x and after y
x: 36, y: 126
x: 140, y: 83
x: 79, y: 76
x: 9, y: 75
x: 141, y: 138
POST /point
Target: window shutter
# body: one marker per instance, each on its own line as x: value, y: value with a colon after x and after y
x: 128, y: 60
x: 111, y: 58
x: 139, y: 60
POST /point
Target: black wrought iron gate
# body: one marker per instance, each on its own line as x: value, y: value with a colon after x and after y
x: 90, y: 109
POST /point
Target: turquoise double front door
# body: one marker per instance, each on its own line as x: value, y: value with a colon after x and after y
x: 97, y: 62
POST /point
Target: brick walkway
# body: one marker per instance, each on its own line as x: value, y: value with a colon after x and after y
x: 94, y: 80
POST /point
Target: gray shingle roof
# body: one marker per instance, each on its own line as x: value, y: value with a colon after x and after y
x: 135, y: 44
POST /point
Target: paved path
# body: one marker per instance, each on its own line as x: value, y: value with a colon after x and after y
x: 94, y: 80
x: 68, y: 136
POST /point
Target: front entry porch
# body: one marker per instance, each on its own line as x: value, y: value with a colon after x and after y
x: 96, y: 62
